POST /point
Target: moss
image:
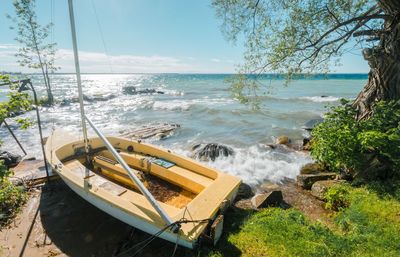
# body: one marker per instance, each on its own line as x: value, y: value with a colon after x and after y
x: 313, y: 168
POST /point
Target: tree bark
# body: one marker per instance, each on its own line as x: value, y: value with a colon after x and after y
x: 384, y: 61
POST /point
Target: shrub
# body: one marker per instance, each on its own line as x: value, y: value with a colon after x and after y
x: 337, y: 197
x: 11, y: 199
x: 344, y: 143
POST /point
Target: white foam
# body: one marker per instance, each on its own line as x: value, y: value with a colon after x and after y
x: 320, y: 99
x: 256, y: 164
x: 185, y: 105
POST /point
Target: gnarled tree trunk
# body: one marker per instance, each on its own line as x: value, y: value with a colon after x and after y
x: 384, y: 60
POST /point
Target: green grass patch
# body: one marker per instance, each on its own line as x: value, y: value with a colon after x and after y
x: 369, y: 225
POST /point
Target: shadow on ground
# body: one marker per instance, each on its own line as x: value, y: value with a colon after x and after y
x: 77, y: 228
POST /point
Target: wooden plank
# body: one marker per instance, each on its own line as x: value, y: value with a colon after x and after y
x: 150, y: 130
x: 78, y: 168
x: 31, y: 172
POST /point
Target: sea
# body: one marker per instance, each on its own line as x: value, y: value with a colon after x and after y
x: 203, y: 106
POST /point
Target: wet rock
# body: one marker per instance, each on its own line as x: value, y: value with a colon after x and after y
x: 307, y: 144
x: 282, y: 140
x: 131, y: 90
x: 273, y: 198
x: 319, y: 188
x: 88, y: 98
x: 313, y: 168
x: 307, y: 180
x: 211, y: 151
x: 309, y: 125
x: 9, y: 159
x: 268, y: 187
x: 244, y: 204
x: 97, y: 98
x: 245, y: 192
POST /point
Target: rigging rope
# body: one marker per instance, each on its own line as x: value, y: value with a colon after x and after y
x: 147, y: 241
x: 102, y: 37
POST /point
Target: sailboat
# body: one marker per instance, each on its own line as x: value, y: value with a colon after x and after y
x: 153, y: 189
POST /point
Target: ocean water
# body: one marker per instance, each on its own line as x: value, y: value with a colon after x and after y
x: 203, y: 106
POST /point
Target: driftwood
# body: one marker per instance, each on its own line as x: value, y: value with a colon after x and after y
x: 150, y: 130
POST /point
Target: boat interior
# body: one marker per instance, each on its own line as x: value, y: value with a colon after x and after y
x: 172, y: 180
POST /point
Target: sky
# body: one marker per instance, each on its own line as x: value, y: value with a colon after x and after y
x: 140, y: 36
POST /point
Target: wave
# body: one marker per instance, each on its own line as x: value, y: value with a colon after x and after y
x: 186, y: 105
x: 255, y: 165
x: 320, y: 99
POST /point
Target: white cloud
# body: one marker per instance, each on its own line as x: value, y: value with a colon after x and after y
x: 215, y: 60
x: 94, y: 62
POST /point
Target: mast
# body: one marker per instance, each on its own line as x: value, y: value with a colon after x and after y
x: 78, y: 75
x: 174, y: 226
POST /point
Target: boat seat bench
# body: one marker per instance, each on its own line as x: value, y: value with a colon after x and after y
x: 179, y: 176
x: 79, y: 170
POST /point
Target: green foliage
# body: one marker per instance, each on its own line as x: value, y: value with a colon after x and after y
x: 18, y: 102
x: 36, y: 52
x: 337, y: 198
x: 370, y: 145
x: 4, y: 172
x: 294, y: 36
x: 11, y: 199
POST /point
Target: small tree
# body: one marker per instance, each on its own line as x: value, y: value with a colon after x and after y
x: 35, y: 52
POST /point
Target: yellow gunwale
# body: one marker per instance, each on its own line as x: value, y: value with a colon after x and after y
x: 205, y: 205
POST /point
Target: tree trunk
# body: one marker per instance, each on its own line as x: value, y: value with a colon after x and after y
x: 384, y: 61
x: 50, y: 98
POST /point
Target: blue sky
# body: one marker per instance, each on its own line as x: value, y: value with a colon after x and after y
x: 180, y: 36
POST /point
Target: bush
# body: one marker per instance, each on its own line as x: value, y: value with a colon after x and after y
x: 337, y: 198
x: 371, y: 145
x: 11, y: 197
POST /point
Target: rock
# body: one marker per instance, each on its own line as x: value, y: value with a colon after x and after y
x: 245, y: 192
x: 282, y: 140
x: 96, y: 98
x: 268, y: 187
x: 307, y: 144
x: 273, y: 198
x: 212, y: 151
x: 244, y: 204
x: 307, y: 180
x: 309, y: 125
x: 131, y: 90
x: 319, y: 188
x: 312, y: 168
x: 10, y: 160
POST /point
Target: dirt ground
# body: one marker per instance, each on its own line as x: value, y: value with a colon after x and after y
x: 57, y: 222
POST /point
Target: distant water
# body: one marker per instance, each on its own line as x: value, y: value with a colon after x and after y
x: 204, y: 108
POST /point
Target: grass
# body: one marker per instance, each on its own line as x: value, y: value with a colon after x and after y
x: 368, y: 226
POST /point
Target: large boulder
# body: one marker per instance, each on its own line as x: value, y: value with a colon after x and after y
x: 269, y: 187
x: 245, y: 192
x: 313, y: 168
x: 211, y: 151
x: 319, y: 188
x: 273, y: 198
x: 9, y: 159
x: 307, y: 180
